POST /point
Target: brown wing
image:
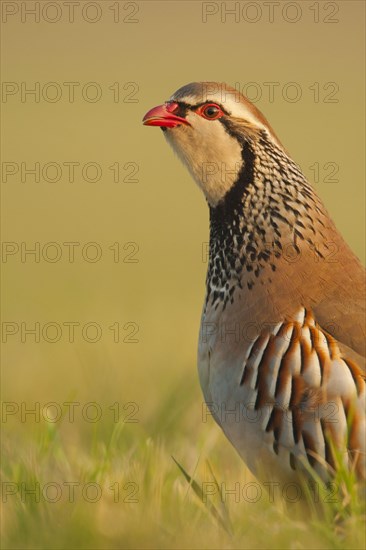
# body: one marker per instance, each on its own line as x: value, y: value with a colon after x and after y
x: 342, y: 310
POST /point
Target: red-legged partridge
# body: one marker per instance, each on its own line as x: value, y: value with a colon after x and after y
x: 282, y: 345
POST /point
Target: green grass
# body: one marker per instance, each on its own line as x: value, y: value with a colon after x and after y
x: 161, y: 501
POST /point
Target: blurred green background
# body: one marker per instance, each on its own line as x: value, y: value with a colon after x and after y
x: 145, y: 51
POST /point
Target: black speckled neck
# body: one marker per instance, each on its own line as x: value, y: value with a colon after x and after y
x: 270, y: 201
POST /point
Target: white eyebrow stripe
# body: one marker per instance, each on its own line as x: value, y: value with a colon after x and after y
x: 234, y: 108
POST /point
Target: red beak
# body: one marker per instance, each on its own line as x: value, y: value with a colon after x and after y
x: 163, y: 115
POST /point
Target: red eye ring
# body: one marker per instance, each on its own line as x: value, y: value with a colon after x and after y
x: 210, y: 111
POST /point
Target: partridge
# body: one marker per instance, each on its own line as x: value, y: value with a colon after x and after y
x: 281, y: 355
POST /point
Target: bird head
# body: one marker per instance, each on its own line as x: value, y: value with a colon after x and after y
x: 209, y: 125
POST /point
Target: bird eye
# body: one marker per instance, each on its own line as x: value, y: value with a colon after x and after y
x: 211, y: 111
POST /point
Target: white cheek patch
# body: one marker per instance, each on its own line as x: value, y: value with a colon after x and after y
x: 212, y: 156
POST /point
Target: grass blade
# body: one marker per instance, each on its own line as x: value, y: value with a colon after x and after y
x: 199, y: 493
